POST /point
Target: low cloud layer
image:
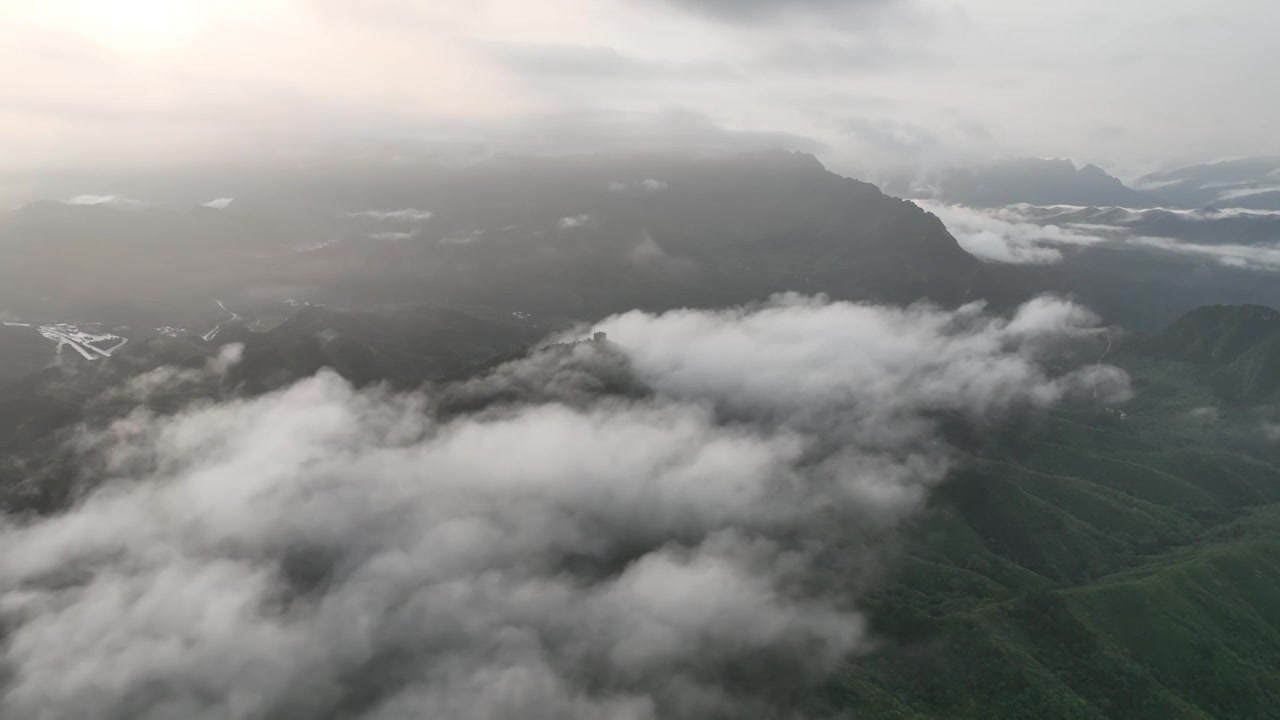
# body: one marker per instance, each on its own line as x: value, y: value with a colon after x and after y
x: 393, y: 235
x: 649, y: 185
x: 169, y: 379
x: 1256, y: 257
x: 112, y: 200
x: 1034, y: 234
x: 407, y: 215
x: 616, y: 529
x: 574, y: 221
x: 1004, y: 235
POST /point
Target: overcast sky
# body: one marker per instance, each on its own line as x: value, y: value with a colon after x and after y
x: 865, y: 84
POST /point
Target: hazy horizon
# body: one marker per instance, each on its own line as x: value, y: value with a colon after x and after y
x: 869, y: 86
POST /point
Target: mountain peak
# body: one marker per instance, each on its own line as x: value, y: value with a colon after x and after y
x: 1238, y: 345
x: 1035, y: 181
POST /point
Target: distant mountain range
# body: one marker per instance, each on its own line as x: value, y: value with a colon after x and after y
x: 550, y: 238
x: 543, y: 242
x: 1035, y: 181
x: 1252, y: 183
x: 1210, y: 225
x: 1248, y: 183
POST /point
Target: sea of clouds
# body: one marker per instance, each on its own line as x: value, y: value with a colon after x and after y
x: 618, y: 529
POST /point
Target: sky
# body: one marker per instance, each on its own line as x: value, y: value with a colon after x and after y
x: 867, y: 85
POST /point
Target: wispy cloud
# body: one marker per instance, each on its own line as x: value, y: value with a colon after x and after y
x: 1258, y: 257
x: 1003, y: 235
x: 1244, y: 192
x: 406, y: 235
x: 1027, y: 234
x: 407, y: 215
x: 574, y: 221
x: 646, y: 185
x: 113, y: 200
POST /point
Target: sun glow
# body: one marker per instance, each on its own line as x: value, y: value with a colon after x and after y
x: 148, y: 24
x: 138, y: 26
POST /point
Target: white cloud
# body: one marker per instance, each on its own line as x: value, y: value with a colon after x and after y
x: 168, y: 379
x: 647, y: 251
x: 574, y: 221
x: 1003, y: 234
x: 408, y: 215
x: 889, y: 363
x: 1271, y: 431
x: 1224, y: 212
x: 1257, y: 257
x: 1014, y: 233
x: 648, y: 185
x: 219, y: 204
x: 464, y: 240
x: 113, y: 200
x: 391, y: 554
x: 1206, y: 415
x: 393, y: 235
x: 1028, y: 212
x: 1237, y: 193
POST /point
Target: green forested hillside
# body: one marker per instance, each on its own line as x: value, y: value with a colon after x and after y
x: 1097, y: 566
x: 1092, y: 562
